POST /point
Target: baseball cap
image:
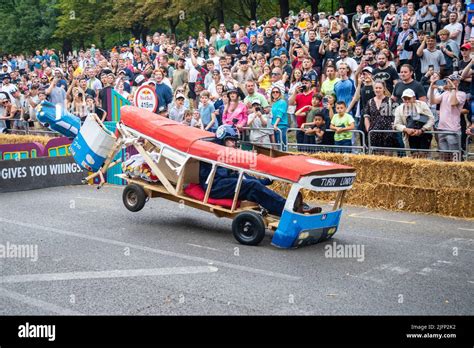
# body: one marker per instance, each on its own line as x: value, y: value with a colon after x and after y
x: 454, y: 77
x: 256, y: 101
x: 365, y: 26
x: 408, y: 93
x: 122, y: 71
x: 4, y: 96
x: 139, y: 80
x: 242, y: 43
x: 368, y: 69
x: 466, y: 46
x: 89, y: 96
x: 180, y: 95
x: 233, y: 35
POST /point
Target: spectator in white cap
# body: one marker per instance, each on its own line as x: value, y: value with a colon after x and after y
x: 414, y: 118
x: 258, y: 119
x: 178, y: 109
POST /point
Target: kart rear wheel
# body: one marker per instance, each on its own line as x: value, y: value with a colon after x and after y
x: 248, y: 228
x: 134, y: 197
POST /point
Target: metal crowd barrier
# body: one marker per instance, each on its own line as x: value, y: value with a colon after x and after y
x: 32, y: 131
x: 358, y: 147
x: 469, y: 153
x: 246, y: 132
x: 434, y: 154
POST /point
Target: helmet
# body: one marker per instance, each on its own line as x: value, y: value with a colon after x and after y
x: 226, y: 132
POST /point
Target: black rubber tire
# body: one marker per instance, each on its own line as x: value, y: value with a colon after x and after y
x: 134, y: 197
x: 248, y: 228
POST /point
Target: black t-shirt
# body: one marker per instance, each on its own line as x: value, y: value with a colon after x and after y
x: 366, y: 93
x: 463, y: 85
x: 330, y: 56
x: 246, y: 55
x: 260, y: 49
x: 91, y: 92
x: 269, y: 42
x: 232, y: 49
x: 388, y: 75
x: 314, y: 52
x: 416, y: 86
x: 103, y: 97
x: 369, y: 20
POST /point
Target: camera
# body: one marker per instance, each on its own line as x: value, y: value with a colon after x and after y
x: 258, y: 109
x: 235, y: 121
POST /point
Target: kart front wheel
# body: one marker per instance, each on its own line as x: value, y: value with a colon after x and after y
x: 248, y: 228
x: 134, y: 197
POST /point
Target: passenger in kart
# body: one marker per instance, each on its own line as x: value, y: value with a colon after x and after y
x: 252, y: 189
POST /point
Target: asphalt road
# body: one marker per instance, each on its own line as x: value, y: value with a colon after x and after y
x: 96, y: 257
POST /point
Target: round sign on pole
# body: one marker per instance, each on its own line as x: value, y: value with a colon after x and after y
x: 145, y: 98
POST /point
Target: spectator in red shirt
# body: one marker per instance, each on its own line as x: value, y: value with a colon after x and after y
x: 302, y: 97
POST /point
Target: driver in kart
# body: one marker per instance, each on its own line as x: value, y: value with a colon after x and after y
x: 252, y: 189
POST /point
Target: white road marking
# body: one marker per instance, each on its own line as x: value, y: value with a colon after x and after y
x: 120, y: 273
x: 425, y: 271
x: 470, y: 281
x: 50, y: 307
x: 153, y: 250
x: 369, y: 275
x: 466, y: 229
x: 354, y: 215
x: 203, y: 247
x: 97, y: 199
x: 437, y: 245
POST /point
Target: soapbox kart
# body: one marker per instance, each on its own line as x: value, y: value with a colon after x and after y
x: 167, y: 166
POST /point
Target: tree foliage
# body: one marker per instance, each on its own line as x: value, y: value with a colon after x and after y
x: 29, y: 24
x: 26, y: 24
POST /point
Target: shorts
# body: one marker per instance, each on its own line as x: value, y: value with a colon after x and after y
x: 448, y: 142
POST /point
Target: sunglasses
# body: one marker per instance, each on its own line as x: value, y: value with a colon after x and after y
x: 275, y: 74
x: 276, y: 92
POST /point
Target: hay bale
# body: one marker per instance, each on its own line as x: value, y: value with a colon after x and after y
x: 21, y: 139
x: 404, y: 184
x: 456, y: 202
x: 405, y: 198
x: 438, y: 175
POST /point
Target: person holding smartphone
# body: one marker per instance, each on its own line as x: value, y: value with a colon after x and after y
x: 430, y: 55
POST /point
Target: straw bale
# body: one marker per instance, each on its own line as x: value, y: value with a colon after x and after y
x: 456, y: 202
x: 21, y: 139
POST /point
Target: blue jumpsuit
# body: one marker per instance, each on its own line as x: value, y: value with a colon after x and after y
x: 252, y: 189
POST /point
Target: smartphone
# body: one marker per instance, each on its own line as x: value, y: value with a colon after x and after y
x: 440, y: 83
x: 325, y: 102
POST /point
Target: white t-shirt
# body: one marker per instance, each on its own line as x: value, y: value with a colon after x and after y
x: 351, y: 63
x: 453, y: 28
x: 193, y: 73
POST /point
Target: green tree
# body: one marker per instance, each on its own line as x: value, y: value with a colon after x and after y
x: 83, y: 21
x: 26, y: 25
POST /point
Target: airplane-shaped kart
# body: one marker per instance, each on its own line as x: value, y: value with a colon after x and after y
x: 172, y: 152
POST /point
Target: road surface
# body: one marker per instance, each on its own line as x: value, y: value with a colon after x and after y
x: 94, y: 257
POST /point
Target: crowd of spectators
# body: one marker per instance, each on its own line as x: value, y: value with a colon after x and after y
x: 391, y: 67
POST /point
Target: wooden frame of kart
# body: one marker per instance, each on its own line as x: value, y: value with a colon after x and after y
x: 175, y: 169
